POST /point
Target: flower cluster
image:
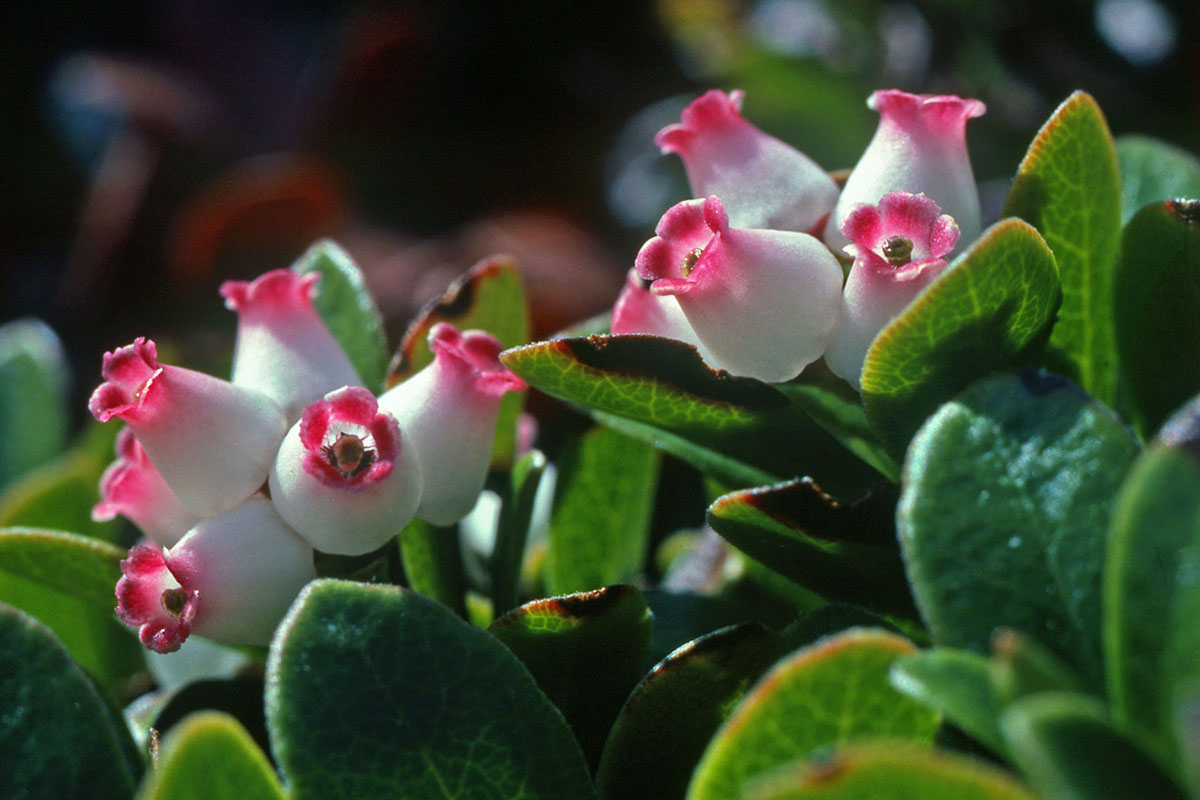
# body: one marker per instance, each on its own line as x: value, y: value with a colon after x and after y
x: 747, y: 271
x: 236, y: 483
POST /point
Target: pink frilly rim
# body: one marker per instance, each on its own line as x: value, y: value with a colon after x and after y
x: 129, y: 380
x: 277, y: 290
x: 156, y: 596
x: 678, y: 257
x: 945, y: 113
x: 349, y: 418
x: 475, y: 354
x: 913, y: 216
x: 713, y: 109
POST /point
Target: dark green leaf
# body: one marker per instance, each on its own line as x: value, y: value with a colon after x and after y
x: 704, y: 416
x: 680, y: 617
x: 1068, y: 187
x: 842, y: 551
x: 886, y: 770
x: 489, y: 297
x: 209, y: 756
x: 57, y: 737
x: 585, y: 651
x: 75, y: 565
x: 1022, y: 666
x: 1157, y: 311
x: 823, y: 695
x: 1069, y: 750
x: 1153, y: 171
x: 378, y: 692
x: 955, y: 683
x: 1008, y: 491
x: 512, y: 529
x: 345, y: 303
x: 667, y: 721
x: 433, y: 565
x: 992, y: 303
x: 33, y: 397
x: 600, y: 522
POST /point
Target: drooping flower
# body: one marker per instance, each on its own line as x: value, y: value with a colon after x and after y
x: 638, y: 310
x: 232, y: 578
x: 284, y: 349
x: 899, y: 247
x: 763, y: 302
x: 764, y: 182
x: 920, y: 147
x: 133, y: 487
x: 448, y: 410
x: 346, y: 477
x: 212, y: 441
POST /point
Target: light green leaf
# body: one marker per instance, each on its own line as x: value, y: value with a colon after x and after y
x: 33, y: 397
x: 210, y: 756
x: 955, y: 683
x: 512, y: 529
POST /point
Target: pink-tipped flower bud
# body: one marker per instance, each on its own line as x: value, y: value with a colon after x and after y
x: 284, y: 348
x: 448, y: 410
x: 231, y: 578
x: 920, y: 146
x: 763, y: 302
x: 638, y: 310
x: 899, y: 247
x: 764, y: 182
x: 212, y: 441
x: 133, y: 487
x: 346, y: 477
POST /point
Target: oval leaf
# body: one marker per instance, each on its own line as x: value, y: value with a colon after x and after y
x: 209, y: 756
x: 1008, y: 491
x: 33, y: 393
x: 75, y: 565
x: 1069, y: 188
x: 1153, y: 171
x: 993, y: 302
x: 379, y: 692
x: 955, y: 683
x: 831, y: 692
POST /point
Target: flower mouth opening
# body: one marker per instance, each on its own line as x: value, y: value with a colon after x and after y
x: 689, y: 261
x: 897, y: 250
x: 351, y: 454
x: 174, y: 601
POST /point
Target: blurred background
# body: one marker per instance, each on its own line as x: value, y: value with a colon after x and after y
x: 152, y: 150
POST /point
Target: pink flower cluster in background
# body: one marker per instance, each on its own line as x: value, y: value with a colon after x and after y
x: 746, y: 272
x: 236, y: 483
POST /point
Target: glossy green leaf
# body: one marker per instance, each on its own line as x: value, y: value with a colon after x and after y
x: 209, y: 756
x: 1069, y: 750
x: 58, y: 737
x: 490, y: 297
x: 1155, y: 532
x: 1157, y: 311
x: 671, y: 715
x: 240, y: 697
x: 1069, y: 188
x: 841, y: 551
x: 348, y: 309
x: 826, y: 694
x: 1008, y: 491
x: 33, y: 397
x: 585, y: 651
x: 433, y: 565
x: 737, y: 428
x: 992, y: 303
x: 600, y: 522
x: 887, y: 770
x: 512, y: 529
x: 59, y: 495
x: 1153, y: 171
x: 1021, y: 666
x: 378, y: 692
x: 75, y: 565
x: 955, y: 683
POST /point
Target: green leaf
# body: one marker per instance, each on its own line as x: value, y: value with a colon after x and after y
x: 671, y: 715
x: 841, y: 551
x: 75, y: 565
x: 512, y: 529
x: 1153, y: 171
x: 60, y: 495
x: 432, y: 559
x: 348, y: 309
x: 1157, y: 311
x: 57, y: 734
x: 490, y: 297
x: 600, y: 522
x: 887, y: 770
x: 1022, y: 666
x: 1069, y: 749
x: 378, y: 692
x: 826, y: 694
x: 585, y: 651
x: 1155, y: 534
x: 738, y: 428
x: 991, y: 304
x: 241, y: 697
x: 1068, y: 187
x: 680, y: 617
x: 955, y: 683
x: 33, y: 396
x: 210, y: 756
x: 1007, y: 496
